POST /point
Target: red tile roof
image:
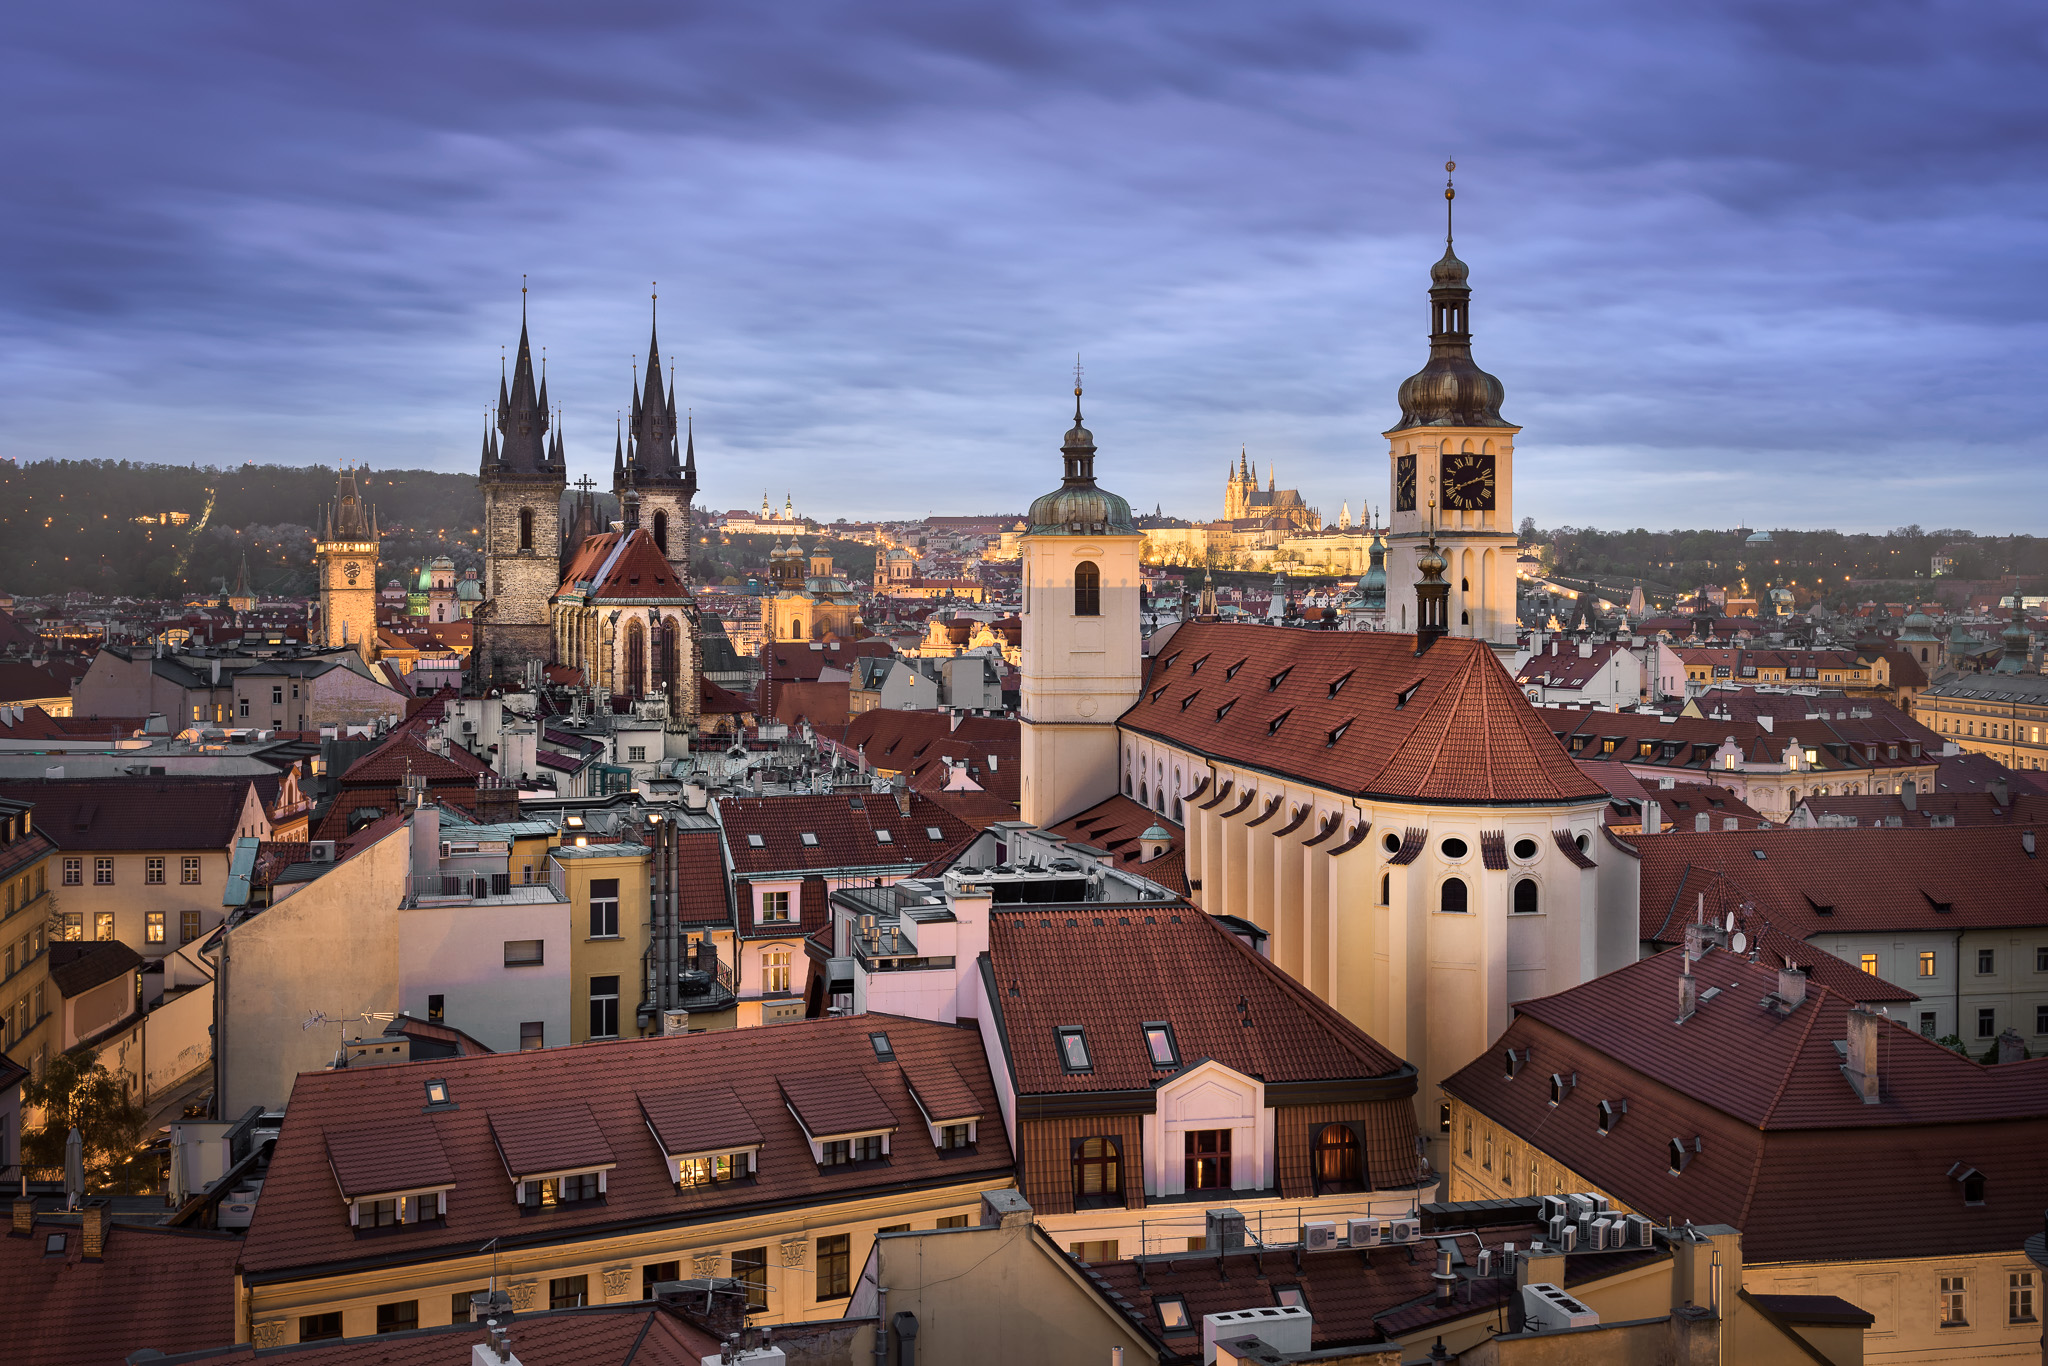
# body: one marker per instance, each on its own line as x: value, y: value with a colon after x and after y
x: 1357, y: 711
x: 560, y: 1138
x: 1110, y: 967
x: 623, y: 567
x: 33, y: 724
x: 302, y: 1223
x: 83, y: 814
x: 403, y: 1153
x: 77, y: 966
x: 406, y: 752
x: 1567, y: 668
x: 1948, y: 808
x: 639, y: 1334
x: 1810, y: 882
x: 823, y: 704
x: 845, y: 826
x: 1788, y: 1152
x: 170, y: 1289
x: 1113, y: 826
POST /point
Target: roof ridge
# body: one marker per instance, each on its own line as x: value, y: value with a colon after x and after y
x: 1820, y: 994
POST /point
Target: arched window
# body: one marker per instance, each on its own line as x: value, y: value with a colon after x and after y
x: 526, y: 528
x: 1525, y: 896
x: 1454, y: 896
x: 1098, y: 1173
x: 796, y: 628
x: 775, y: 970
x: 661, y: 531
x: 1087, y: 590
x: 1144, y: 799
x: 668, y: 660
x: 1386, y: 889
x: 1337, y: 1164
x: 636, y: 660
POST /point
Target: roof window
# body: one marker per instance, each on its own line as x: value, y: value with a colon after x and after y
x: 1231, y: 672
x: 1224, y: 710
x: 933, y: 833
x: 883, y: 1048
x: 1337, y: 733
x: 1158, y: 692
x: 437, y: 1095
x: 1277, y: 679
x: 1167, y: 663
x: 1337, y: 684
x: 53, y: 1245
x: 1159, y: 1044
x: 575, y: 822
x: 1196, y: 667
x: 809, y: 840
x: 1273, y: 726
x: 1073, y: 1049
x: 1288, y: 1296
x: 1189, y: 698
x: 1173, y: 1314
x: 856, y: 804
x: 884, y: 837
x: 1402, y: 697
x: 756, y: 842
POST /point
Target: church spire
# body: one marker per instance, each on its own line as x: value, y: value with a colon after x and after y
x: 522, y: 409
x: 1450, y: 390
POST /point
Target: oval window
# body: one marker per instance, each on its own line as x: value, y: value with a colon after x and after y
x: 1453, y: 847
x: 1392, y: 844
x: 1525, y: 848
x: 1583, y: 842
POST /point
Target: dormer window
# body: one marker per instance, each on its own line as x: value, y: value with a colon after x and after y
x: 1515, y: 1058
x: 1073, y: 1045
x: 553, y: 1157
x: 952, y: 1137
x: 1681, y: 1154
x: 1337, y: 684
x: 1231, y: 672
x: 1159, y: 1044
x: 1610, y: 1113
x: 1559, y: 1086
x: 1971, y: 1180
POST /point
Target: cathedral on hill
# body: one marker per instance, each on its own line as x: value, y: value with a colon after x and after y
x: 1244, y: 500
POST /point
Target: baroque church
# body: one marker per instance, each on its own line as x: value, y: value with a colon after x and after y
x: 1402, y: 828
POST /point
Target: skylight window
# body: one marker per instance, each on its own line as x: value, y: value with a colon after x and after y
x: 883, y: 1048
x: 808, y: 839
x: 437, y: 1093
x: 1288, y: 1296
x: 932, y: 832
x: 1074, y: 1049
x: 1159, y: 1044
x: 1173, y: 1313
x: 884, y: 837
x: 756, y: 842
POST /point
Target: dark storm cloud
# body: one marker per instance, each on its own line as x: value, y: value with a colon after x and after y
x: 1770, y: 262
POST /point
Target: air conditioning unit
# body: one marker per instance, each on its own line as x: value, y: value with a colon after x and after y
x: 1553, y: 1207
x: 1580, y: 1205
x: 1570, y: 1242
x: 1548, y: 1307
x: 1403, y: 1230
x: 1640, y: 1232
x: 1485, y: 1262
x: 320, y: 851
x: 1365, y: 1232
x: 1556, y: 1225
x: 1320, y: 1236
x: 1606, y: 1235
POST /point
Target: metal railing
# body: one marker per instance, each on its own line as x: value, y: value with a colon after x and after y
x: 474, y: 885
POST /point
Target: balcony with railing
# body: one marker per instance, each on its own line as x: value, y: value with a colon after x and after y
x: 473, y: 886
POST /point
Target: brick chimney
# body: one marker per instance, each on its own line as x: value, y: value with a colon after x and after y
x: 2011, y: 1047
x: 1861, y: 1068
x: 96, y: 1216
x: 1688, y: 995
x: 1791, y: 987
x: 24, y: 1217
x: 1909, y: 795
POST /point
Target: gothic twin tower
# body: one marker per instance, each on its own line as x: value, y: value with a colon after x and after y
x: 529, y: 536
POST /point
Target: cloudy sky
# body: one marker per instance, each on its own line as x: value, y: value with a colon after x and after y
x: 1776, y: 263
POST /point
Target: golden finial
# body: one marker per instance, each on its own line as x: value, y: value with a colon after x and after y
x: 1077, y: 374
x: 1450, y: 193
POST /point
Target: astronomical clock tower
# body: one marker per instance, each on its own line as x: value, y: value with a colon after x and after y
x: 1452, y: 463
x: 346, y: 551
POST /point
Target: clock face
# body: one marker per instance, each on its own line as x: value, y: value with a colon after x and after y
x: 349, y: 572
x: 1468, y: 482
x: 1404, y: 483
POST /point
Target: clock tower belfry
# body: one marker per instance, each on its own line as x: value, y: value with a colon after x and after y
x: 1451, y: 461
x: 346, y: 552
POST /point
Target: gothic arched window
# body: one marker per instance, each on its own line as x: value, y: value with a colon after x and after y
x: 1087, y: 590
x: 526, y: 528
x: 636, y: 660
x: 668, y: 661
x: 661, y: 531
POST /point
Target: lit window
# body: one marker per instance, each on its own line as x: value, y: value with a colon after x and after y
x: 1073, y: 1050
x: 1952, y: 1307
x: 437, y: 1093
x: 1288, y: 1297
x: 153, y: 927
x: 1868, y: 962
x: 1159, y: 1044
x: 954, y: 1136
x: 1173, y: 1313
x: 2019, y: 1297
x: 1927, y: 962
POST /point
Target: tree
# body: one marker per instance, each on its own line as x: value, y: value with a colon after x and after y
x: 77, y: 1090
x: 1527, y: 533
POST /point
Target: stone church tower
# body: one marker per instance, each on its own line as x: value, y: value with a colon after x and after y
x: 658, y: 464
x: 1081, y: 636
x: 522, y: 475
x: 346, y: 553
x: 1452, y: 466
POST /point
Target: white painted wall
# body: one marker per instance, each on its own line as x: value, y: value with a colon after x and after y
x: 458, y: 953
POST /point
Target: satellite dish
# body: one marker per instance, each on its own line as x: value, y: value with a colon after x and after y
x: 1730, y: 924
x: 1741, y: 941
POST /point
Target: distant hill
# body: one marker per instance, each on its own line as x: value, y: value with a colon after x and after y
x: 122, y: 527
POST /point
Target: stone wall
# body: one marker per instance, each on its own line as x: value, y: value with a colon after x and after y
x: 512, y: 625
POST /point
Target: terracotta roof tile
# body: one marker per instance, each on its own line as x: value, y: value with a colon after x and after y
x: 1788, y: 1151
x: 561, y: 1138
x: 623, y: 567
x: 1447, y: 726
x: 170, y: 1289
x: 837, y: 1103
x: 846, y: 827
x: 403, y: 1154
x: 1113, y: 826
x: 1108, y: 968
x: 135, y: 813
x: 709, y: 1120
x: 301, y: 1221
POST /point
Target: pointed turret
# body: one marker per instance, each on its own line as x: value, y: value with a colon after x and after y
x: 522, y: 412
x: 619, y: 458
x: 653, y: 452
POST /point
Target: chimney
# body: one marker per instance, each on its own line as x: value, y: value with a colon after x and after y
x: 1688, y: 996
x: 1791, y: 987
x: 24, y: 1217
x: 1861, y: 1069
x: 95, y: 1220
x: 1701, y: 821
x: 1445, y: 1278
x: 2000, y: 793
x: 2011, y: 1048
x: 900, y: 790
x: 1653, y: 817
x: 1909, y: 795
x: 2027, y: 842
